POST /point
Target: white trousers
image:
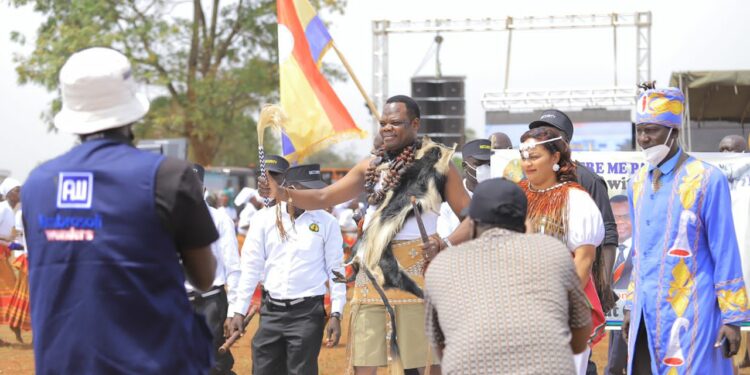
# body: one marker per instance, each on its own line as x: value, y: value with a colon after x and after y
x: 582, y: 361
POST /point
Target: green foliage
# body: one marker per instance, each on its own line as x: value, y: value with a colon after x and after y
x: 213, y: 64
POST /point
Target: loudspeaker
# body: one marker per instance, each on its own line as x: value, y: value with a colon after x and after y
x: 451, y: 89
x: 432, y: 87
x: 424, y: 89
x: 442, y: 124
x: 441, y: 106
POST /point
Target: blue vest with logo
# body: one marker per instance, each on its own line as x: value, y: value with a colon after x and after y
x: 106, y: 286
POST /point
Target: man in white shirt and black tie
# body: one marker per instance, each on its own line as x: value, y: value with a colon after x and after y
x: 214, y: 304
x: 297, y: 253
x: 618, y: 348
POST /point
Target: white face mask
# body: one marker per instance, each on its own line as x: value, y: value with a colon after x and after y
x: 483, y: 173
x: 655, y: 154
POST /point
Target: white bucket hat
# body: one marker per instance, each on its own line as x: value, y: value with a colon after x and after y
x: 98, y: 92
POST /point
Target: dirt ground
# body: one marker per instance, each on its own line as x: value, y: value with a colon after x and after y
x: 19, y: 358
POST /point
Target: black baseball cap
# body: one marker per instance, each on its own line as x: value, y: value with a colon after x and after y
x: 556, y: 119
x: 498, y: 201
x: 276, y: 164
x: 200, y: 171
x: 479, y: 149
x: 307, y: 175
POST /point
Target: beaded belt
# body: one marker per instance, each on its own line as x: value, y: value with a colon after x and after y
x: 408, y: 254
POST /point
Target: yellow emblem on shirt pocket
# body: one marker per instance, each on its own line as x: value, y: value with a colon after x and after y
x: 314, y: 227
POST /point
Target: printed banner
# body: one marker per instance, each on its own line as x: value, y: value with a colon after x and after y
x: 617, y: 167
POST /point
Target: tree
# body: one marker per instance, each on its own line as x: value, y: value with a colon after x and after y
x: 213, y: 64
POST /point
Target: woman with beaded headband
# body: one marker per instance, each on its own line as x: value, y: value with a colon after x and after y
x: 561, y: 208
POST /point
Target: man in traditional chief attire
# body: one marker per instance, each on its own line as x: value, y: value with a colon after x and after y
x: 391, y: 251
x: 686, y: 294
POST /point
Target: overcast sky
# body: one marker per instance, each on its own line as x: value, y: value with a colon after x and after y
x: 695, y: 35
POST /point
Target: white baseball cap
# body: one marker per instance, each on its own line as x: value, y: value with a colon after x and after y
x: 98, y: 92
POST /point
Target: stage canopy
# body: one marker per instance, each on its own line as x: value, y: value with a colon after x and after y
x: 716, y: 95
x: 715, y: 100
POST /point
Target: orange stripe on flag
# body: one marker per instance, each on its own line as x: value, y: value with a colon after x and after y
x: 340, y: 118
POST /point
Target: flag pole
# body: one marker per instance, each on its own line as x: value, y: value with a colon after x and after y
x: 370, y: 104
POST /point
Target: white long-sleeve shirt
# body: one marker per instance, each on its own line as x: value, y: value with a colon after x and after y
x: 226, y: 253
x: 296, y: 268
x: 448, y: 221
x: 243, y: 225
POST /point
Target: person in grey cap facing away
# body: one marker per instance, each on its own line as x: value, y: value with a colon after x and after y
x: 524, y: 297
x: 106, y: 226
x: 294, y: 253
x: 597, y: 188
x: 476, y: 164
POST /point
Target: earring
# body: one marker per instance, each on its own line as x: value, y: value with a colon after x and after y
x: 556, y: 167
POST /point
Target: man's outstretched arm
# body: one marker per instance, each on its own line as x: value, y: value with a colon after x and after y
x: 348, y: 187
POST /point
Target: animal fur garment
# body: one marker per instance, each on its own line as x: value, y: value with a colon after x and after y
x: 425, y: 180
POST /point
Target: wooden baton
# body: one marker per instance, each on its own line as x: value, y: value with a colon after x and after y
x: 418, y: 216
x: 236, y: 336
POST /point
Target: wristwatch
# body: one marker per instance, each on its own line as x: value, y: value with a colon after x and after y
x: 336, y: 315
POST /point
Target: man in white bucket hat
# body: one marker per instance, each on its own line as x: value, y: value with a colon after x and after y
x: 98, y: 93
x: 107, y: 225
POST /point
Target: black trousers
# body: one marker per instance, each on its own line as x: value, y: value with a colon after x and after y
x: 214, y: 308
x: 641, y: 357
x: 288, y: 340
x: 617, y: 362
x: 591, y: 366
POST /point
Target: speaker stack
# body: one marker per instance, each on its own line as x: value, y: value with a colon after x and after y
x: 443, y: 108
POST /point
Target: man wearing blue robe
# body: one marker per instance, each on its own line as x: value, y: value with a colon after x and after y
x: 687, y: 294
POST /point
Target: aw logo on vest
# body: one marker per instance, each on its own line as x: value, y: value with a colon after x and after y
x: 74, y: 191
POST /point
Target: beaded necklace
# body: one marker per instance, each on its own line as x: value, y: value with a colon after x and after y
x: 547, y: 208
x: 553, y: 187
x: 392, y: 177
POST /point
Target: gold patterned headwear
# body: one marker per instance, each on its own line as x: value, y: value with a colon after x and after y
x: 660, y: 106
